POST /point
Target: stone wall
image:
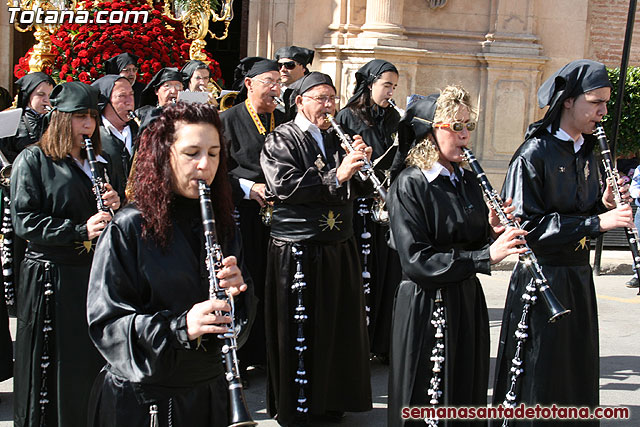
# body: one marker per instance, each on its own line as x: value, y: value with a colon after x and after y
x: 500, y: 50
x: 607, y: 25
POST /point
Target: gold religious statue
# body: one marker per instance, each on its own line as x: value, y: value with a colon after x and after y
x: 195, y: 16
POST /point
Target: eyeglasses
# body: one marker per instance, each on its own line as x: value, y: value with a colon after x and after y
x: 457, y: 126
x: 289, y: 65
x: 323, y: 99
x: 269, y: 83
x: 130, y: 70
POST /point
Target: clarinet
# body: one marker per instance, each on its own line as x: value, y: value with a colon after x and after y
x: 538, y: 284
x: 96, y: 179
x: 366, y: 172
x: 279, y: 101
x: 238, y: 406
x: 395, y: 106
x: 612, y: 177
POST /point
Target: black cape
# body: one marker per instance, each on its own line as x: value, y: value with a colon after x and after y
x: 52, y: 216
x: 557, y: 195
x: 137, y: 318
x: 245, y: 144
x: 311, y: 211
x: 383, y: 269
x: 441, y: 245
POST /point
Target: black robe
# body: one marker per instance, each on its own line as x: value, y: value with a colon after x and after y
x: 245, y: 144
x: 120, y: 157
x: 52, y: 214
x: 442, y: 245
x: 557, y: 195
x: 383, y: 270
x: 313, y: 213
x: 139, y: 296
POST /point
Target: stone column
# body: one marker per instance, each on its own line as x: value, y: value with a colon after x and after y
x: 384, y: 20
x: 511, y: 71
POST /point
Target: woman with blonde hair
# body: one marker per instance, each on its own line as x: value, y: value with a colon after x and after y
x: 443, y: 232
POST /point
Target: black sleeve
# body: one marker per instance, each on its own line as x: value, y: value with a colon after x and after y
x: 424, y: 263
x: 293, y: 179
x: 524, y: 184
x: 30, y: 220
x: 140, y: 346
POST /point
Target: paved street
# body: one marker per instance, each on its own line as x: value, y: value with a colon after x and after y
x: 619, y: 313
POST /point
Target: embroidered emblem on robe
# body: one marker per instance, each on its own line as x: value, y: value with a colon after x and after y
x: 330, y: 221
x: 583, y: 244
x: 586, y: 170
x: 85, y: 246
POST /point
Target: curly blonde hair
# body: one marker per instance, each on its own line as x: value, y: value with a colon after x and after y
x: 451, y: 101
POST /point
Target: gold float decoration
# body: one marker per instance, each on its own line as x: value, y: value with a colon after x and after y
x: 195, y: 16
x: 41, y: 56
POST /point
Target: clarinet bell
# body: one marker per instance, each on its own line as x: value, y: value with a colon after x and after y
x: 239, y: 413
x: 554, y: 306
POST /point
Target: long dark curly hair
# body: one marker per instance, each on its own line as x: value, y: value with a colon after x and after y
x: 152, y: 192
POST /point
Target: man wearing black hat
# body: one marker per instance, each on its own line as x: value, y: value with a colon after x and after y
x: 553, y: 181
x: 319, y: 329
x: 126, y: 65
x: 117, y: 131
x: 292, y: 63
x: 163, y: 89
x: 245, y: 127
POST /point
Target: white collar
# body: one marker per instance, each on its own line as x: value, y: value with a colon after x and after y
x: 438, y: 169
x: 564, y: 136
x: 305, y: 124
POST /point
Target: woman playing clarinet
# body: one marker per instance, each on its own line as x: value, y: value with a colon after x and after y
x: 443, y: 232
x: 149, y: 309
x: 54, y: 208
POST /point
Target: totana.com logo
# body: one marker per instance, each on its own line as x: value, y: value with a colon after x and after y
x: 42, y: 16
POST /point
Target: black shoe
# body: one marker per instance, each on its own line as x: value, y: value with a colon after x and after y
x: 633, y: 283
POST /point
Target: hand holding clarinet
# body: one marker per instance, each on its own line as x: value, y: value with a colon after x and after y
x: 107, y: 200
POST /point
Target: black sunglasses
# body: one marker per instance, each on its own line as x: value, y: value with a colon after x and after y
x: 289, y: 65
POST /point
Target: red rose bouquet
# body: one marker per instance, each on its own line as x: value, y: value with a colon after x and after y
x: 81, y: 49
